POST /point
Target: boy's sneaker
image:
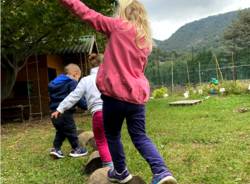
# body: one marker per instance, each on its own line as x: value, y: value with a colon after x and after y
x: 78, y: 152
x: 56, y: 153
x: 114, y: 176
x: 164, y: 178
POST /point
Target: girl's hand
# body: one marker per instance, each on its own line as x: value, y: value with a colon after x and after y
x: 55, y: 114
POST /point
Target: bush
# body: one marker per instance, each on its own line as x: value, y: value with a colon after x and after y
x: 160, y: 93
x: 205, y: 89
x: 235, y: 88
x: 197, y: 91
x: 231, y: 87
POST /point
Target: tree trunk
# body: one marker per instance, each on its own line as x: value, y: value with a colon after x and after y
x: 9, y: 75
x: 9, y: 71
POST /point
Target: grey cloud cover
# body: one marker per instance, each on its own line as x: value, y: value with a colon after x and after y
x: 179, y: 9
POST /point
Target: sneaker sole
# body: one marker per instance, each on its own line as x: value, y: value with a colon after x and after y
x: 127, y: 179
x: 55, y: 155
x: 78, y: 155
x: 168, y: 180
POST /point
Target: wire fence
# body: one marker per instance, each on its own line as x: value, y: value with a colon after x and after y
x: 174, y: 75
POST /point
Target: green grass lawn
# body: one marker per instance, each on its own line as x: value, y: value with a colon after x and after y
x: 207, y: 143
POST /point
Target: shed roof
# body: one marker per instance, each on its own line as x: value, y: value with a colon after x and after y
x: 86, y: 45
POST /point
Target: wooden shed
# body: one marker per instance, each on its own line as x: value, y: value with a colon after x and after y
x: 29, y: 97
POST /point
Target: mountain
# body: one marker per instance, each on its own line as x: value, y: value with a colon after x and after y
x: 204, y: 33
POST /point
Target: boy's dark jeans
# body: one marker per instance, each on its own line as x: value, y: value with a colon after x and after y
x: 114, y: 112
x: 65, y: 128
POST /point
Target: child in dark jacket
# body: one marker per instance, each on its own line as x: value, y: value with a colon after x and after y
x: 65, y: 126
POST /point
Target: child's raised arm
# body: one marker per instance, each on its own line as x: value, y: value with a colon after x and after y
x: 97, y: 20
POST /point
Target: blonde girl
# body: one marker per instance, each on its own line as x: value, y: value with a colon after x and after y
x: 123, y: 85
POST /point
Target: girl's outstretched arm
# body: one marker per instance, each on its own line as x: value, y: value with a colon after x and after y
x: 97, y: 20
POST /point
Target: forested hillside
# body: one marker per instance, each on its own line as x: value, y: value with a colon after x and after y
x: 207, y: 32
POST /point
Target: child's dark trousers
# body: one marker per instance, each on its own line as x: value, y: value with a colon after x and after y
x: 65, y: 128
x: 114, y: 112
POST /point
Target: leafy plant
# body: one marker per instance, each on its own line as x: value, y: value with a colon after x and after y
x: 235, y: 88
x: 160, y: 93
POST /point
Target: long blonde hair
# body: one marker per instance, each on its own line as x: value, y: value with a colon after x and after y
x: 134, y: 12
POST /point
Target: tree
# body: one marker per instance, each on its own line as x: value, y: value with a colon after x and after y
x: 35, y: 27
x: 237, y: 35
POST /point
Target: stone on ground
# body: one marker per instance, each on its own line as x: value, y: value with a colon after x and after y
x: 100, y: 177
x: 87, y: 138
x: 94, y: 163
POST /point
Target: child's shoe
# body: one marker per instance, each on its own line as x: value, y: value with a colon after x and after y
x: 108, y: 164
x: 114, y: 176
x: 56, y: 153
x: 78, y: 152
x: 164, y: 178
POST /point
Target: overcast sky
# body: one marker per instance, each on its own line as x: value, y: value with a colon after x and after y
x: 167, y: 16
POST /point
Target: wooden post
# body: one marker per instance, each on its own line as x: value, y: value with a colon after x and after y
x: 28, y: 89
x: 81, y: 65
x: 39, y: 89
x: 158, y: 71
x: 188, y: 73
x: 87, y: 64
x: 234, y: 69
x: 218, y: 67
x: 172, y: 89
x: 200, y: 73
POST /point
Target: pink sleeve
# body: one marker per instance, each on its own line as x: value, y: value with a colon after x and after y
x: 98, y: 21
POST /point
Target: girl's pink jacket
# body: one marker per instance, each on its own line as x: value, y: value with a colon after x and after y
x: 121, y: 75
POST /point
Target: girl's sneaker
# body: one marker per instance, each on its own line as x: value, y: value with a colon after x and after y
x: 78, y: 152
x: 114, y: 176
x: 164, y: 178
x: 56, y: 153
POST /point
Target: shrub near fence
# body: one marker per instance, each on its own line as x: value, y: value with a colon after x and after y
x: 160, y: 92
x: 230, y: 88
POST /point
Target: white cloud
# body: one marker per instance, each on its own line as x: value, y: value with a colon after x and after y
x: 164, y: 28
x: 237, y: 5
